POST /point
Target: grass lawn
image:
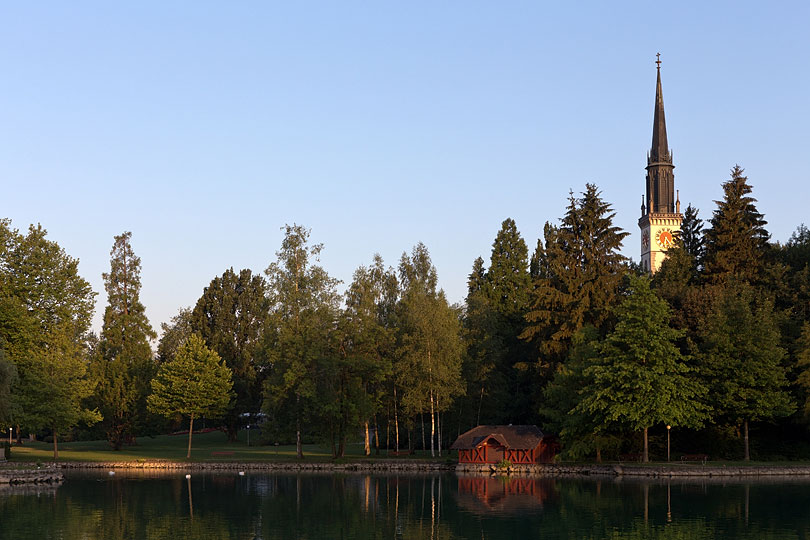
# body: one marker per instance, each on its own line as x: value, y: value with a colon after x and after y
x: 173, y: 448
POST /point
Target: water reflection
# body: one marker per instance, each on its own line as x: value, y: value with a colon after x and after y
x: 503, y: 495
x: 131, y: 505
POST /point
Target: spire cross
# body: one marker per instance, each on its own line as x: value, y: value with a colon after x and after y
x: 658, y: 60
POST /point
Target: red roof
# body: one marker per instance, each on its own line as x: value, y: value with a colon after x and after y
x: 520, y: 437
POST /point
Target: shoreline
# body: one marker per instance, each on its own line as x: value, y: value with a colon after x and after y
x: 383, y: 466
x: 638, y: 471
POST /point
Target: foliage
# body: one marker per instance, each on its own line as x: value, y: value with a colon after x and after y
x: 428, y: 368
x: 173, y: 335
x: 230, y: 316
x: 582, y: 433
x: 803, y: 363
x: 195, y: 383
x: 45, y: 312
x: 367, y: 347
x: 8, y: 375
x: 497, y: 362
x: 123, y: 366
x: 304, y: 312
x: 741, y: 356
x: 640, y: 378
x: 691, y: 235
x: 578, y: 271
x: 737, y: 242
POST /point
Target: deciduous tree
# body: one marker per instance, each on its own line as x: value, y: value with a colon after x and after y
x: 45, y: 314
x: 428, y: 369
x: 640, y: 378
x: 195, y: 383
x: 304, y: 312
x: 230, y: 316
x: 741, y: 358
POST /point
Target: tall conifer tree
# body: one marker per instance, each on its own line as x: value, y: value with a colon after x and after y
x: 579, y: 270
x: 737, y: 242
x: 497, y: 303
x: 691, y: 234
x: 124, y: 365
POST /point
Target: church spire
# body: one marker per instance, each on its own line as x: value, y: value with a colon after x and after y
x: 661, y: 217
x: 659, y: 153
x: 660, y: 178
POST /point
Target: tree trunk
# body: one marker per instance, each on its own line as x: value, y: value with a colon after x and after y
x: 646, y: 457
x: 299, y: 450
x: 55, y: 447
x: 19, y: 435
x: 342, y: 439
x: 745, y: 439
x: 480, y: 402
x: 422, y: 421
x: 367, y: 442
x: 432, y: 427
x: 190, y: 431
x: 396, y: 423
x: 232, y: 430
x: 598, y: 453
x: 376, y: 435
x: 438, y: 431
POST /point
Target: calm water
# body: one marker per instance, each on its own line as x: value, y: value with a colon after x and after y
x: 225, y: 505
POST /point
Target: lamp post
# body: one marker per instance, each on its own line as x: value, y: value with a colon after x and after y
x: 668, y: 428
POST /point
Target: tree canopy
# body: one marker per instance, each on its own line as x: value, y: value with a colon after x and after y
x: 195, y: 383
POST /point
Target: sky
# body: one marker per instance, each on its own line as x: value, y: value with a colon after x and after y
x: 204, y: 127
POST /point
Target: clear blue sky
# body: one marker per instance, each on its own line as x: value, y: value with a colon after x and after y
x: 204, y: 127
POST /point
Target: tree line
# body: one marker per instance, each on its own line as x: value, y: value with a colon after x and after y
x: 575, y: 338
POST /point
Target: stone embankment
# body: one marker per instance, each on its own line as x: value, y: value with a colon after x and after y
x: 380, y: 466
x: 49, y: 475
x: 649, y: 471
x: 417, y: 466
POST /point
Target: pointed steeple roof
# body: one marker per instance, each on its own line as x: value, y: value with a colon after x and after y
x: 660, y: 149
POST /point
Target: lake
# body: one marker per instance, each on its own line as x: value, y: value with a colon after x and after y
x: 138, y: 505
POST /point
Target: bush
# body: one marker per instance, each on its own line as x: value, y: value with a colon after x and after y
x: 504, y: 464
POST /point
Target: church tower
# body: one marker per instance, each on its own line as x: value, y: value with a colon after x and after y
x: 661, y: 216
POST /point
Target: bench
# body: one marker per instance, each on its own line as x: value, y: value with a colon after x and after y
x: 703, y: 458
x: 400, y: 453
x: 221, y: 453
x: 630, y: 457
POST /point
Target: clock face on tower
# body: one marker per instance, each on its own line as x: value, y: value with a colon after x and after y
x: 664, y: 238
x: 645, y: 239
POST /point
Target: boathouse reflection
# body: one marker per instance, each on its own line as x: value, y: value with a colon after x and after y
x: 504, y: 494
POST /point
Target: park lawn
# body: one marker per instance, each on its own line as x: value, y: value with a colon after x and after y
x: 173, y: 448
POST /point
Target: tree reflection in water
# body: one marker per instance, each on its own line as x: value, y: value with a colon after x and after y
x: 435, y: 507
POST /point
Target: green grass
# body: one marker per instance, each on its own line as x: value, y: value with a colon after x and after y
x: 173, y: 448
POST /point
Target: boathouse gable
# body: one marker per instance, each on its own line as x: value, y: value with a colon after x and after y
x: 493, y: 444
